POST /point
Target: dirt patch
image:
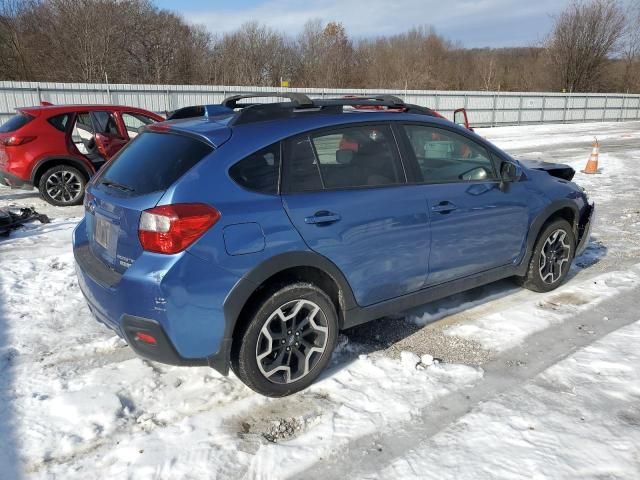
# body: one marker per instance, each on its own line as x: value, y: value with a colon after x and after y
x: 563, y: 300
x: 268, y: 423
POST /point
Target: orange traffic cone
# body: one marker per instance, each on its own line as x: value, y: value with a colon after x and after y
x: 592, y: 164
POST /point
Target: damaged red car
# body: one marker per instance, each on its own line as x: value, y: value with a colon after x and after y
x: 57, y: 148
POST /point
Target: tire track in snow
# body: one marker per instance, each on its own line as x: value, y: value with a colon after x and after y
x: 368, y: 454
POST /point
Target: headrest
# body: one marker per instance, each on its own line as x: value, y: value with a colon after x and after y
x: 344, y: 157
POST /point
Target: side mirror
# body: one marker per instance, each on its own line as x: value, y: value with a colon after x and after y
x: 460, y: 117
x: 510, y: 172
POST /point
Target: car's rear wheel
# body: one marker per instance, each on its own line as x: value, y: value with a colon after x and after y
x: 551, y: 258
x: 62, y: 186
x: 288, y: 340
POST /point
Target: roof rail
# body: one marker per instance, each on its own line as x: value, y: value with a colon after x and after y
x: 382, y: 98
x: 299, y: 100
x: 301, y: 104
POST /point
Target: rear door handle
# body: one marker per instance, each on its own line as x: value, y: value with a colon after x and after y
x: 321, y: 217
x: 444, y: 207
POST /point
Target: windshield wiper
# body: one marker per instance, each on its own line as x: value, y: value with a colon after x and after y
x: 120, y: 186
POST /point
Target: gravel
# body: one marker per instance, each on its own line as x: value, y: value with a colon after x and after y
x: 392, y: 336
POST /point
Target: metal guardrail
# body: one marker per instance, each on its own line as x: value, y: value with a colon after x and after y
x: 484, y: 108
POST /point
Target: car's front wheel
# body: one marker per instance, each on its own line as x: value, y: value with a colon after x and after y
x: 551, y: 258
x: 62, y: 186
x: 288, y: 340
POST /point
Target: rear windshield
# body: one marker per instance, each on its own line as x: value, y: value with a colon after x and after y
x: 153, y: 161
x: 15, y: 122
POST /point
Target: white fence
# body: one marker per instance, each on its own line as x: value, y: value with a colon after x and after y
x: 485, y: 108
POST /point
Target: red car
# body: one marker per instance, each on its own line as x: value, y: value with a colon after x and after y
x: 58, y: 148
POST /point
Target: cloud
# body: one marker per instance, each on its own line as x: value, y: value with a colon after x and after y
x: 473, y: 22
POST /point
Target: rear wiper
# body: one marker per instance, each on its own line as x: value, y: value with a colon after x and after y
x: 120, y: 186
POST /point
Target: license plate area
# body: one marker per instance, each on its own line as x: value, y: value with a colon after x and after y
x: 106, y: 235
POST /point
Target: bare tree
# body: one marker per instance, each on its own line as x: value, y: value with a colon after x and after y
x: 584, y: 35
x: 14, y: 63
x: 134, y: 41
x: 415, y: 59
x: 631, y: 50
x: 326, y: 54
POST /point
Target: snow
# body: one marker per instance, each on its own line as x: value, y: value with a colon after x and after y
x: 505, y: 328
x: 75, y: 402
x: 79, y: 400
x: 578, y: 419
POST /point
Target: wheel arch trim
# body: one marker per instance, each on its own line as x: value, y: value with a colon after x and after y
x: 41, y: 166
x: 541, y: 219
x: 249, y: 283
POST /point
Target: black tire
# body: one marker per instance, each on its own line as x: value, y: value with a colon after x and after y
x: 252, y: 342
x: 62, y: 186
x: 539, y: 278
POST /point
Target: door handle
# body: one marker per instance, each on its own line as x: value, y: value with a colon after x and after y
x: 444, y: 207
x: 321, y: 217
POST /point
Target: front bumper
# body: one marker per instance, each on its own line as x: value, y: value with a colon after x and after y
x: 584, y: 228
x: 13, y: 181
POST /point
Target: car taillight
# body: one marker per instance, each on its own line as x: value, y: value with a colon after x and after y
x: 16, y: 140
x: 172, y: 228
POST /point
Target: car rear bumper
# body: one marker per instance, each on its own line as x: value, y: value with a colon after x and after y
x: 178, y: 300
x: 162, y: 350
x: 14, y: 181
x: 584, y: 228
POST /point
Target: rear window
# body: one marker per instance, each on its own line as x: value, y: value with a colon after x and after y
x: 15, y: 122
x: 153, y: 161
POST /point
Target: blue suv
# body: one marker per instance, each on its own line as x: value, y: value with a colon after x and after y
x: 249, y: 239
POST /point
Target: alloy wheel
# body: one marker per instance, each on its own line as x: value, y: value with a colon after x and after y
x: 553, y: 257
x: 64, y: 186
x: 292, y: 341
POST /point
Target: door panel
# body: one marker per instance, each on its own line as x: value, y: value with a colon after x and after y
x: 378, y: 238
x: 474, y: 227
x: 109, y: 139
x: 109, y: 145
x: 346, y: 194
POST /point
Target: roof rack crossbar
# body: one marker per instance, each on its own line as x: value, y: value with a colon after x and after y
x: 300, y: 100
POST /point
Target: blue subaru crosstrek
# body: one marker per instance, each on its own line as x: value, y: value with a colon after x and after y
x: 251, y: 238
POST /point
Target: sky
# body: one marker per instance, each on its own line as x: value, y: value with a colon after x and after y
x: 473, y: 23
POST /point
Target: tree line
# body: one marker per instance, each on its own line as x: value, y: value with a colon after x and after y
x: 594, y: 45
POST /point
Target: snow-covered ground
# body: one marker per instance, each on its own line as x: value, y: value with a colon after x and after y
x: 578, y: 419
x: 505, y: 403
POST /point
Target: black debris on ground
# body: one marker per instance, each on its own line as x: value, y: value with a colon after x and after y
x: 12, y: 218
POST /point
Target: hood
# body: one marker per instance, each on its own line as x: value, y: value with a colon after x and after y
x: 559, y: 170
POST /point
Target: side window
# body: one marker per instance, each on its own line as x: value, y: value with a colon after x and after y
x: 60, y: 122
x: 358, y: 157
x: 301, y: 172
x: 446, y: 157
x: 134, y: 121
x: 259, y: 171
x: 105, y: 123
